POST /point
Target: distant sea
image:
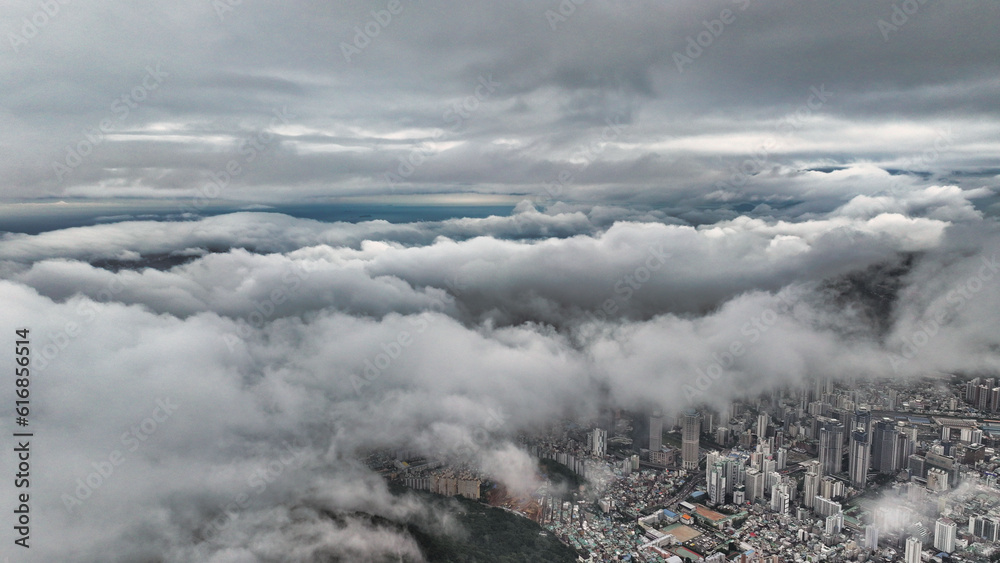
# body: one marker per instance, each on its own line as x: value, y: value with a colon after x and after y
x: 51, y: 217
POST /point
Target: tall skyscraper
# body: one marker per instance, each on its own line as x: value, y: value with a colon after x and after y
x: 825, y: 507
x: 858, y: 458
x: 830, y: 488
x: 762, y: 422
x: 769, y: 466
x: 863, y: 420
x: 710, y: 459
x: 885, y: 456
x: 945, y: 463
x: 599, y: 442
x: 810, y: 486
x: 717, y: 483
x: 912, y: 550
x: 690, y: 440
x: 945, y: 532
x: 871, y: 537
x: 904, y: 448
x: 656, y: 431
x: 754, y: 484
x: 971, y: 388
x: 781, y: 497
x: 708, y: 423
x: 834, y: 523
x: 831, y: 447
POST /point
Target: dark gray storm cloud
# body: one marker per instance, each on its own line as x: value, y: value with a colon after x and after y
x: 654, y: 102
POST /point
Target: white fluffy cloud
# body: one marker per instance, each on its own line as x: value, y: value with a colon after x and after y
x: 231, y: 395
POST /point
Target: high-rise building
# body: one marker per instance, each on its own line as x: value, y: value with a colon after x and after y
x: 858, y: 458
x: 599, y: 442
x: 884, y: 454
x: 722, y: 435
x: 971, y: 389
x: 736, y: 472
x: 830, y: 488
x: 863, y: 420
x: 739, y: 495
x: 708, y: 423
x: 983, y: 398
x: 781, y: 458
x: 826, y: 507
x: 945, y: 463
x: 769, y: 466
x: 754, y: 484
x: 810, y: 486
x: 937, y: 480
x: 655, y: 431
x: 770, y: 480
x: 912, y: 550
x: 762, y: 422
x: 904, y: 449
x: 945, y: 532
x: 982, y: 527
x: 710, y: 459
x: 834, y: 523
x: 781, y: 496
x: 831, y: 447
x: 717, y: 483
x: 917, y: 465
x: 690, y: 440
x: 871, y: 537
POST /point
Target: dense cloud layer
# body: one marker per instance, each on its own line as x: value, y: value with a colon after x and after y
x: 232, y: 393
x: 713, y: 199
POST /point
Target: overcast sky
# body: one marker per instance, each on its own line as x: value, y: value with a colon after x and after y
x: 811, y: 183
x: 487, y: 97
